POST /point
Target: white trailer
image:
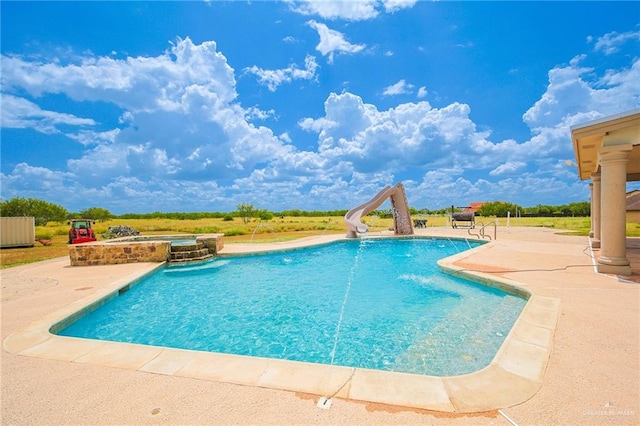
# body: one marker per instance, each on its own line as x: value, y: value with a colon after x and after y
x: 17, y: 232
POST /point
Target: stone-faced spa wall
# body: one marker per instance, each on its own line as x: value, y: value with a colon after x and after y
x: 123, y: 251
x: 114, y: 253
x: 213, y: 242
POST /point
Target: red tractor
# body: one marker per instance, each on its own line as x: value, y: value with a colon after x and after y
x: 81, y: 231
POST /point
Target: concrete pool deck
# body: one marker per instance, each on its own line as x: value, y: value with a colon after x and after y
x: 591, y: 375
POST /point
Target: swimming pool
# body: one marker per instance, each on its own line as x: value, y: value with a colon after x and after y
x: 376, y: 303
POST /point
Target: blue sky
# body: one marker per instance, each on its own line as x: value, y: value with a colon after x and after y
x: 199, y: 106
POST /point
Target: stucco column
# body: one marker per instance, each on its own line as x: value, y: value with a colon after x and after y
x: 595, y: 210
x: 613, y: 242
x: 591, y: 209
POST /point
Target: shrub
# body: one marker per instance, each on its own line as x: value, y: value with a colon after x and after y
x: 234, y: 231
x: 205, y: 230
x: 264, y: 215
x: 156, y: 228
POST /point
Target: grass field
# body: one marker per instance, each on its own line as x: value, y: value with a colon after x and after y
x: 276, y: 229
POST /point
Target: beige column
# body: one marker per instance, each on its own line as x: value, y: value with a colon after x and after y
x: 591, y: 209
x: 613, y: 242
x: 595, y: 210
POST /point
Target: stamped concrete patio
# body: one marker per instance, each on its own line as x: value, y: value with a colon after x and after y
x: 591, y: 375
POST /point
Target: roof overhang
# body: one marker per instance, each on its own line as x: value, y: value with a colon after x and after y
x: 620, y: 129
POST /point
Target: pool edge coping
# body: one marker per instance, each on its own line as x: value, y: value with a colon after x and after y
x: 514, y: 375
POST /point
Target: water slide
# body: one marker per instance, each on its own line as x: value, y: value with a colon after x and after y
x: 401, y: 216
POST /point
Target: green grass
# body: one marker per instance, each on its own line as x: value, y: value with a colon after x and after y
x: 274, y: 230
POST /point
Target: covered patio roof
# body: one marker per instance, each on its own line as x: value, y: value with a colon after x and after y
x: 620, y: 129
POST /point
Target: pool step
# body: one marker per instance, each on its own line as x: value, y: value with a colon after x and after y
x: 189, y: 253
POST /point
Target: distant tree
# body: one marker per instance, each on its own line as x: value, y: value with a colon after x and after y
x: 383, y: 213
x: 174, y: 215
x: 544, y: 211
x: 582, y: 208
x: 15, y: 207
x: 563, y: 210
x: 292, y: 213
x: 263, y: 214
x: 498, y: 209
x: 96, y: 213
x: 41, y: 210
x: 441, y: 211
x: 245, y: 211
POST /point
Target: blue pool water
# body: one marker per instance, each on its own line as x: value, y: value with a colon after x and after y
x: 174, y: 240
x: 372, y: 303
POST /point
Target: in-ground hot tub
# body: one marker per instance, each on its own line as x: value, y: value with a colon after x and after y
x: 151, y: 248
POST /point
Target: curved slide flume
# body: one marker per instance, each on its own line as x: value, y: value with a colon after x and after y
x: 401, y: 215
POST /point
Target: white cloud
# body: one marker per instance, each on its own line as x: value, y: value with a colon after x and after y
x: 38, y: 182
x: 415, y: 136
x: 445, y: 188
x: 19, y: 113
x: 125, y: 118
x: 255, y: 113
x: 316, y: 125
x: 183, y: 140
x: 507, y: 168
x: 350, y: 10
x: 610, y: 43
x: 333, y: 41
x: 409, y: 135
x: 395, y: 5
x: 135, y: 84
x: 274, y: 78
x: 122, y: 194
x: 285, y: 137
x: 399, y: 88
x: 91, y: 137
x: 466, y: 45
x: 570, y: 97
x: 174, y: 104
x: 333, y: 9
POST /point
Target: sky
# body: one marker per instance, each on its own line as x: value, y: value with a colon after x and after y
x: 140, y: 107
